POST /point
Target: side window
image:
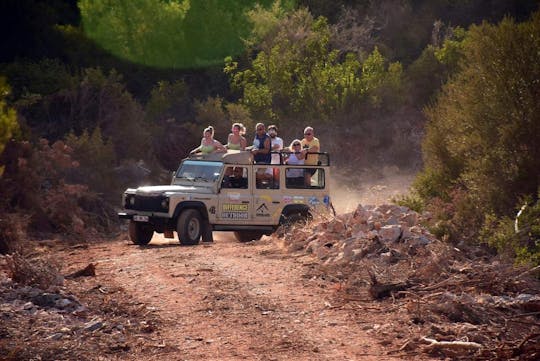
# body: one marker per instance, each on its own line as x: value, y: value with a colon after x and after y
x: 267, y: 177
x: 235, y: 177
x: 304, y: 178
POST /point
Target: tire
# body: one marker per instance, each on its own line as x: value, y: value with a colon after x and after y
x: 247, y: 236
x: 189, y: 227
x: 140, y: 233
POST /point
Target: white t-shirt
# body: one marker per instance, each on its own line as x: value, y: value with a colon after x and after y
x: 279, y: 142
x: 294, y: 172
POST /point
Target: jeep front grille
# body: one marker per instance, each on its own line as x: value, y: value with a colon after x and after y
x: 148, y: 204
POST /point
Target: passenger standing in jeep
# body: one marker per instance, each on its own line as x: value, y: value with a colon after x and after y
x: 208, y: 143
x: 261, y: 145
x: 295, y: 176
x: 236, y: 140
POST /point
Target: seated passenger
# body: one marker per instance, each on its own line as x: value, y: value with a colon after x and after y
x: 234, y: 178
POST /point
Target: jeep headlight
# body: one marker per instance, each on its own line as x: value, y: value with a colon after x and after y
x: 129, y: 201
x: 165, y: 204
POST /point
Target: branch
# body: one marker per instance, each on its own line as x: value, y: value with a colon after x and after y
x: 434, y: 344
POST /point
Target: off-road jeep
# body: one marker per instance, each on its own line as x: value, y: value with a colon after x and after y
x: 227, y: 192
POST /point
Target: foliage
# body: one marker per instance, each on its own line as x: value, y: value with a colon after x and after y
x: 412, y: 201
x: 96, y: 100
x: 169, y: 102
x: 297, y: 77
x: 483, y: 132
x: 265, y: 21
x: 94, y: 157
x: 519, y: 236
x: 40, y: 78
x: 456, y: 220
x: 171, y: 34
x: 9, y: 127
x: 403, y: 28
x: 34, y: 184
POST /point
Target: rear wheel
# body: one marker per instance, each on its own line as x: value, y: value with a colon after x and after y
x: 140, y: 233
x: 189, y: 227
x: 247, y: 236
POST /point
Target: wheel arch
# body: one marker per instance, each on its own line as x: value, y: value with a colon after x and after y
x: 290, y: 209
x: 200, y: 206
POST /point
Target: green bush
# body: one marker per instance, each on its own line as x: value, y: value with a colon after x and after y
x: 481, y: 147
x: 519, y: 237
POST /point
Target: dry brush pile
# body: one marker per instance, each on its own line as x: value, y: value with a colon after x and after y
x: 458, y: 303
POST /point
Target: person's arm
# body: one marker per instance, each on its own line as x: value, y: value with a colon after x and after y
x: 197, y: 149
x: 243, y: 143
x: 219, y: 147
x: 314, y: 148
x: 228, y: 141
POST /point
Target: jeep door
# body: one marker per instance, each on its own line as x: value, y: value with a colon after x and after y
x: 235, y: 201
x: 267, y: 196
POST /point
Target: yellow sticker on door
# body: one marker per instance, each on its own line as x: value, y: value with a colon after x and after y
x: 234, y: 211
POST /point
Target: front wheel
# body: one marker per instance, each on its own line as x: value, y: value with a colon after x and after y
x: 247, y: 236
x: 140, y: 233
x: 189, y: 227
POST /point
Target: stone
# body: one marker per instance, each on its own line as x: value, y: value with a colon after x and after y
x: 390, y: 233
x: 411, y: 219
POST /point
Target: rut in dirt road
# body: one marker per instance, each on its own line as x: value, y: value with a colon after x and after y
x: 229, y: 300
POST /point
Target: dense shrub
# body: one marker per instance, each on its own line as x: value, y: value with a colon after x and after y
x: 34, y: 185
x: 481, y: 148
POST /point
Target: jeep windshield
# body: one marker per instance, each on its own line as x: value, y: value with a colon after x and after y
x: 192, y: 171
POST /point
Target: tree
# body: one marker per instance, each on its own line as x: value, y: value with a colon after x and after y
x: 483, y: 134
x: 9, y: 127
x: 168, y: 34
x: 297, y: 77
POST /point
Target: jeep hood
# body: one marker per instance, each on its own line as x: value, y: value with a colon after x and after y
x: 155, y: 190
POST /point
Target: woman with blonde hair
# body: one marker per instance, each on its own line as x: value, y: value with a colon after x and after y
x: 236, y: 140
x: 296, y: 156
x: 208, y: 143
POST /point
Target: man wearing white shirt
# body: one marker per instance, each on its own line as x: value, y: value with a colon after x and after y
x: 276, y: 143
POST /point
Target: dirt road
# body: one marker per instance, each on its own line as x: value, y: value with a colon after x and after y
x: 227, y: 301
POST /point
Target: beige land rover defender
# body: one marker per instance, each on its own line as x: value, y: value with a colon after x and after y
x: 228, y: 192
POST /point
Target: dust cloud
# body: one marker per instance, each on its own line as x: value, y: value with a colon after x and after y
x: 366, y: 187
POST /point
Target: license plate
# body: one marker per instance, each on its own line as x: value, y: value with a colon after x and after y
x: 138, y: 218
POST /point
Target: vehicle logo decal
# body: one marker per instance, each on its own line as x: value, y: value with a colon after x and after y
x: 262, y: 211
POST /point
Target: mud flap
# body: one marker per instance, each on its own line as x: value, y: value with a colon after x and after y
x: 207, y: 232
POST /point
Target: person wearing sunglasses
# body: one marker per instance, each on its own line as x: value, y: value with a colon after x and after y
x: 312, y: 145
x: 297, y: 156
